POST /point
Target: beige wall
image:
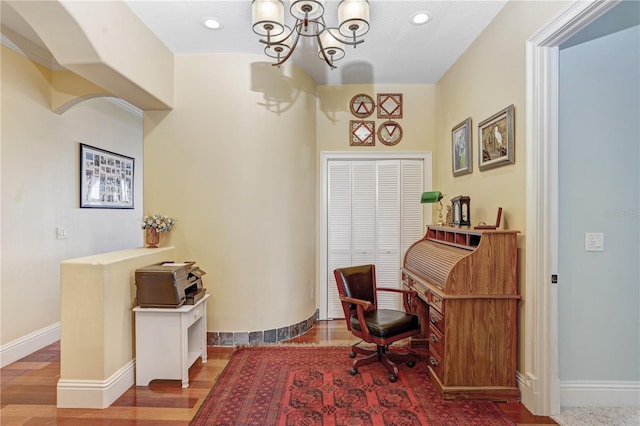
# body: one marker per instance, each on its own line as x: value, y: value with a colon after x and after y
x: 235, y: 166
x: 40, y: 192
x: 488, y: 77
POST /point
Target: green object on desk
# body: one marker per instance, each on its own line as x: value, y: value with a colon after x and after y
x: 431, y: 197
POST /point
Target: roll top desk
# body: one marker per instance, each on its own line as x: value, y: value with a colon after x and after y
x: 468, y: 301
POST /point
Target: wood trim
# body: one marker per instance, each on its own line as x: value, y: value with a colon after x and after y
x: 542, y: 392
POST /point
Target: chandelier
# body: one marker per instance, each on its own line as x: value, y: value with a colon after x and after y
x: 281, y: 40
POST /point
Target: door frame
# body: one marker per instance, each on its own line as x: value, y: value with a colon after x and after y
x: 540, y: 383
x: 327, y: 156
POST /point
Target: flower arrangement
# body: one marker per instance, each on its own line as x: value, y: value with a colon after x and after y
x: 160, y: 222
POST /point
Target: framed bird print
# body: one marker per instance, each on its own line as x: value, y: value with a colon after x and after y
x: 496, y: 140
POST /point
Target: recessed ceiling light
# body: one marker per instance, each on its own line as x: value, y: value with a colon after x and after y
x: 420, y: 18
x: 212, y: 23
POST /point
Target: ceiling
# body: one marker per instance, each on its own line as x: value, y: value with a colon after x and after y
x: 395, y: 50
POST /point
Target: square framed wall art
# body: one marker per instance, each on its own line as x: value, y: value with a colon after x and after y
x: 362, y: 133
x: 390, y: 105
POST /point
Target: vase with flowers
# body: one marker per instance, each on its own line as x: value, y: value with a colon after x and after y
x: 154, y: 225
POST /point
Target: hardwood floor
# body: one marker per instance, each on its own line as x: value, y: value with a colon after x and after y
x: 28, y: 390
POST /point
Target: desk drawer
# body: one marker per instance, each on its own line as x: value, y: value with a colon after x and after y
x: 436, y: 301
x: 436, y: 319
x: 435, y: 363
x: 436, y: 340
x: 194, y: 315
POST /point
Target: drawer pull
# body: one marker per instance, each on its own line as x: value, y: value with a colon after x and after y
x: 434, y: 338
x: 434, y: 320
x: 433, y: 361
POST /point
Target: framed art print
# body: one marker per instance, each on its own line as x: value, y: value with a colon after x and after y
x: 390, y: 133
x: 495, y: 140
x: 362, y: 133
x: 390, y: 105
x: 362, y: 105
x: 106, y: 179
x: 461, y: 148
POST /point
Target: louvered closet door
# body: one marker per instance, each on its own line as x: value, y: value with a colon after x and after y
x: 352, y: 220
x: 363, y: 212
x: 339, y: 229
x: 388, y: 231
x: 374, y: 215
x: 411, y: 187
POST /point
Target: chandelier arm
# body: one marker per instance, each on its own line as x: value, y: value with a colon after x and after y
x: 353, y: 43
x: 293, y: 46
x: 274, y: 43
x: 350, y: 43
x: 324, y: 55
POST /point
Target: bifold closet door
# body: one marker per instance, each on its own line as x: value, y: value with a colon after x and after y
x: 374, y: 211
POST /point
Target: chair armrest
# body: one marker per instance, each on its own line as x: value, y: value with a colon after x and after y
x: 366, y: 305
x: 407, y: 296
x: 361, y: 306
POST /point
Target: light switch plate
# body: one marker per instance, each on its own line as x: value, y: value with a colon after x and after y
x: 594, y: 241
x: 61, y: 233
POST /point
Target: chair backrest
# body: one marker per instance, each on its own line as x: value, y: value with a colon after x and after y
x: 358, y: 282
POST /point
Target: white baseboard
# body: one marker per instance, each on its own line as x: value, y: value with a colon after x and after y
x: 583, y: 394
x: 20, y: 348
x: 523, y: 384
x: 599, y: 394
x: 528, y: 396
x: 95, y: 393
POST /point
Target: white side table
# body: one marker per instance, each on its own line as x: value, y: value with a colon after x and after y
x: 169, y: 341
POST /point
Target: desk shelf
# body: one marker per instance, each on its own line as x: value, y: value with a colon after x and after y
x: 461, y: 238
x: 169, y: 341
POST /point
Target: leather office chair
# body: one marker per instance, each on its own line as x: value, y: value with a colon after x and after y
x: 358, y: 293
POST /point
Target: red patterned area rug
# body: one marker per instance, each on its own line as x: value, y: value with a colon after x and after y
x: 311, y: 386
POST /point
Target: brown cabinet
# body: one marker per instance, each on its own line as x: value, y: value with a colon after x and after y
x: 466, y: 281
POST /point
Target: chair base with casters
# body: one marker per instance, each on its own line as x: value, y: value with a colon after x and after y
x: 381, y: 327
x: 383, y: 355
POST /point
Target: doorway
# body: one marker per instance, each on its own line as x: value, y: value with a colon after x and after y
x: 542, y: 395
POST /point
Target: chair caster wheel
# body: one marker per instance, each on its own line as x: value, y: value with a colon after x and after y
x: 353, y: 371
x: 352, y: 355
x: 411, y: 364
x: 393, y: 378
